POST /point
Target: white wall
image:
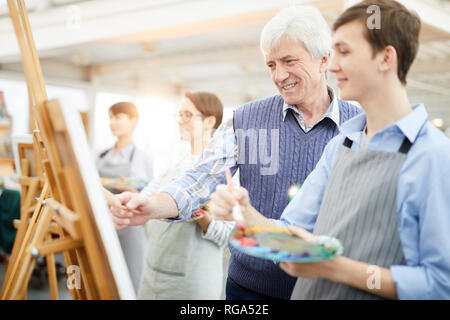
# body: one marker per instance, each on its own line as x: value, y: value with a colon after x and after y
x: 156, y: 132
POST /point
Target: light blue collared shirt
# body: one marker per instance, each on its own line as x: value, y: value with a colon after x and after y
x: 423, y: 200
x: 332, y: 113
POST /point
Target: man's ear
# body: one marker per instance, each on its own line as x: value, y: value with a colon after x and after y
x: 388, y: 59
x: 210, y: 122
x: 325, y: 62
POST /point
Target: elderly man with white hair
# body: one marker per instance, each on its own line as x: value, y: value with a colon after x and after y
x: 274, y: 142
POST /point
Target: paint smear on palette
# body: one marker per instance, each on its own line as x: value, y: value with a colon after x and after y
x: 115, y: 185
x: 277, y: 244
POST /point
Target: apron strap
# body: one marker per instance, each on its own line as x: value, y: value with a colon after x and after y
x: 107, y: 150
x: 406, y: 145
x: 348, y: 143
x: 104, y: 153
x: 404, y: 148
x: 132, y: 154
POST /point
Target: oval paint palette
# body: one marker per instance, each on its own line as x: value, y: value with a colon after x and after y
x: 278, y: 244
x: 117, y: 185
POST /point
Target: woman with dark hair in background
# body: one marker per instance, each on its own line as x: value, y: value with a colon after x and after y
x: 124, y: 159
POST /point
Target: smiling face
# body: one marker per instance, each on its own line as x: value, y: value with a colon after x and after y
x: 294, y: 72
x: 356, y: 67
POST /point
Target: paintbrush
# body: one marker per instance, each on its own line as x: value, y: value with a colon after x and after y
x: 237, y: 212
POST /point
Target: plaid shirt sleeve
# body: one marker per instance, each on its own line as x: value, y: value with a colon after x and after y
x: 193, y: 190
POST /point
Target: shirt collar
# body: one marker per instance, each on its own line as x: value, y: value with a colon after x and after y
x: 125, y: 150
x: 409, y: 125
x: 332, y: 112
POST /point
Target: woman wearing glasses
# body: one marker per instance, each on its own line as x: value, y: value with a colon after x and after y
x: 185, y: 259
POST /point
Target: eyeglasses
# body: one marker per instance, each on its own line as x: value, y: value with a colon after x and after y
x: 186, y: 116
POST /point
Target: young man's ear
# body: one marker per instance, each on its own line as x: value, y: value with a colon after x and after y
x: 325, y: 62
x: 388, y: 59
x: 210, y: 122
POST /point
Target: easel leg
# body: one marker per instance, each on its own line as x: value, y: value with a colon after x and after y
x: 30, y: 196
x: 52, y: 278
x: 24, y: 223
x: 27, y: 265
x: 19, y: 248
x: 87, y: 276
x: 70, y: 259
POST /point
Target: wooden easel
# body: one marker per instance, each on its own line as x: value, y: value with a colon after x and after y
x: 63, y: 199
x: 32, y: 181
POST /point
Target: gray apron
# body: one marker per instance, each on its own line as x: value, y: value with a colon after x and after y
x: 132, y: 239
x: 359, y: 208
x: 113, y: 170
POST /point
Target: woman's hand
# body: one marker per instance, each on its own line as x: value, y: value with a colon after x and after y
x: 204, y: 222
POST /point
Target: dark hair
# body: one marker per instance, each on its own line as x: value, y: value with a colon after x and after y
x: 208, y: 104
x: 128, y: 108
x: 399, y: 28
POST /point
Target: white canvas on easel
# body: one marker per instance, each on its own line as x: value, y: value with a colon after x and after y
x: 99, y: 206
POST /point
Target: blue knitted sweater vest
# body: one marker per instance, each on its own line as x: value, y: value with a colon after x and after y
x: 267, y: 176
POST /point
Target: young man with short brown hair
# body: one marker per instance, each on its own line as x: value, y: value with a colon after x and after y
x: 381, y: 186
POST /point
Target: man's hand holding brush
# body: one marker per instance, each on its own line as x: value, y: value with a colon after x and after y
x: 233, y: 204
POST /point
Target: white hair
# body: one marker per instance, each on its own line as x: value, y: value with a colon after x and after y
x: 304, y: 24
